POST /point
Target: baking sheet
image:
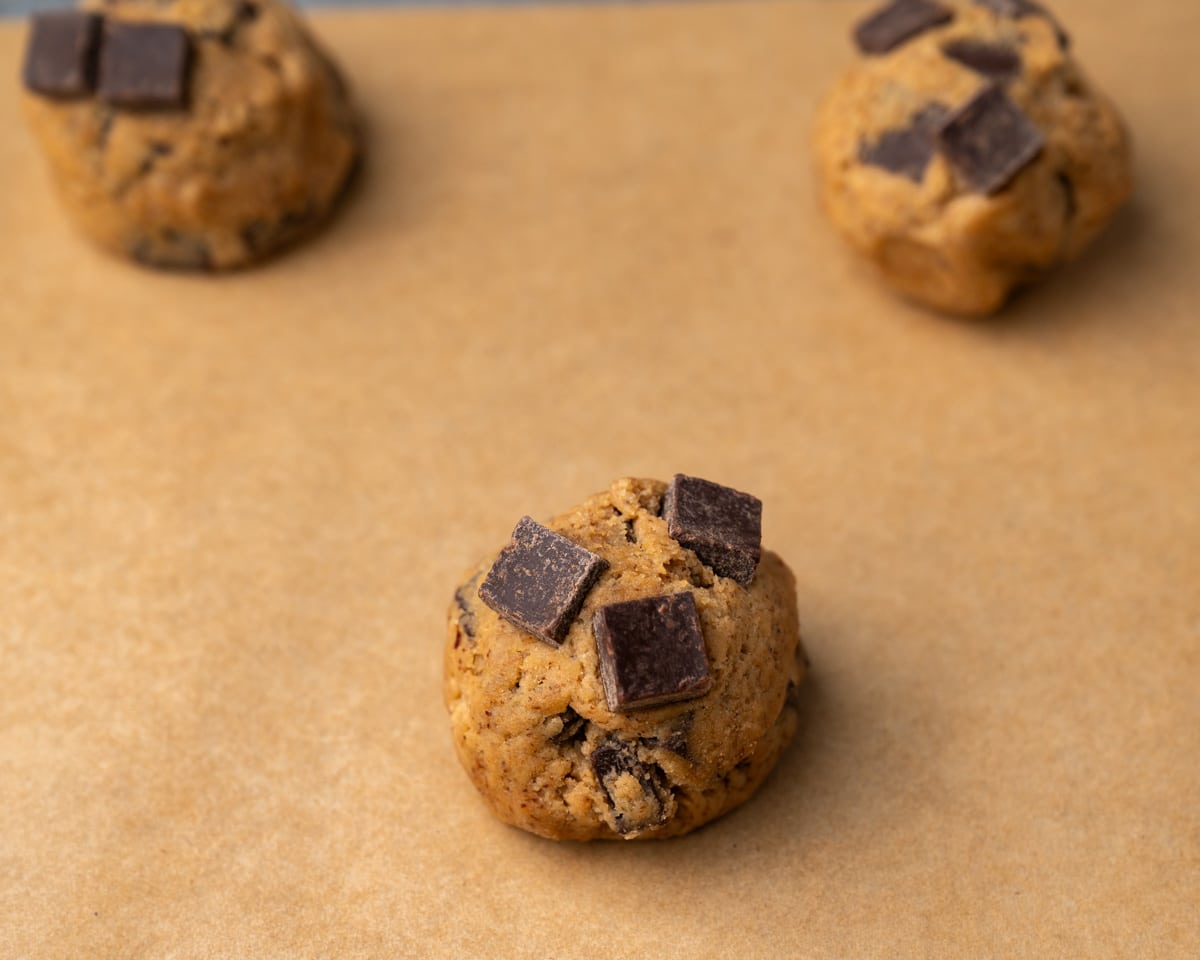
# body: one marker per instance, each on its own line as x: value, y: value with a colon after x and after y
x: 587, y: 245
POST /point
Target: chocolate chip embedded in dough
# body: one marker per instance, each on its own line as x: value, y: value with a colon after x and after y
x: 540, y: 580
x: 1015, y: 9
x: 572, y: 729
x: 245, y: 13
x: 1071, y: 204
x: 636, y: 791
x: 989, y: 140
x: 722, y: 526
x: 60, y: 58
x: 996, y: 61
x: 172, y: 250
x: 144, y: 66
x: 907, y: 150
x: 651, y: 651
x: 1004, y: 8
x: 462, y: 600
x: 898, y: 22
x: 676, y: 737
x: 259, y: 235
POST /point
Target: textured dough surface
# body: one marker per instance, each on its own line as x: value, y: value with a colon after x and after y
x: 527, y: 718
x: 936, y: 241
x: 256, y: 160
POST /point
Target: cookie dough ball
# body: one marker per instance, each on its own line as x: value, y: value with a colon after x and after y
x: 965, y: 153
x: 649, y: 689
x: 208, y: 141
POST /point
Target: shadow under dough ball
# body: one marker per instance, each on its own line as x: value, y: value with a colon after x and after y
x: 964, y: 153
x: 192, y: 134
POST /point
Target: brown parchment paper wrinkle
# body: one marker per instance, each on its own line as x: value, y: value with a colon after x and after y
x: 586, y: 244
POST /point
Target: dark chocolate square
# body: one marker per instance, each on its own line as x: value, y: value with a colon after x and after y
x: 540, y: 580
x: 144, y: 66
x: 996, y: 61
x: 651, y: 651
x: 907, y: 150
x: 60, y: 58
x: 721, y: 525
x: 989, y: 140
x: 897, y: 23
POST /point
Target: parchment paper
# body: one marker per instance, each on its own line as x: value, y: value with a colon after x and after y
x: 587, y: 245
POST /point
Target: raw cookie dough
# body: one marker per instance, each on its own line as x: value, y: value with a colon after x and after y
x: 253, y: 157
x: 906, y: 185
x: 532, y: 724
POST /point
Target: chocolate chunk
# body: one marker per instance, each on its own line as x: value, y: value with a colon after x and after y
x: 630, y: 530
x: 60, y: 59
x: 262, y: 236
x: 997, y: 61
x: 171, y: 250
x: 245, y: 13
x: 989, y: 140
x: 539, y: 581
x: 573, y: 727
x: 144, y: 66
x: 676, y: 739
x: 898, y: 22
x: 1071, y: 204
x: 907, y: 150
x: 155, y: 152
x: 651, y: 651
x: 462, y: 600
x: 256, y: 234
x: 1060, y: 34
x: 677, y: 743
x: 1015, y: 9
x: 651, y: 805
x: 1005, y: 8
x: 722, y: 525
x: 107, y: 117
